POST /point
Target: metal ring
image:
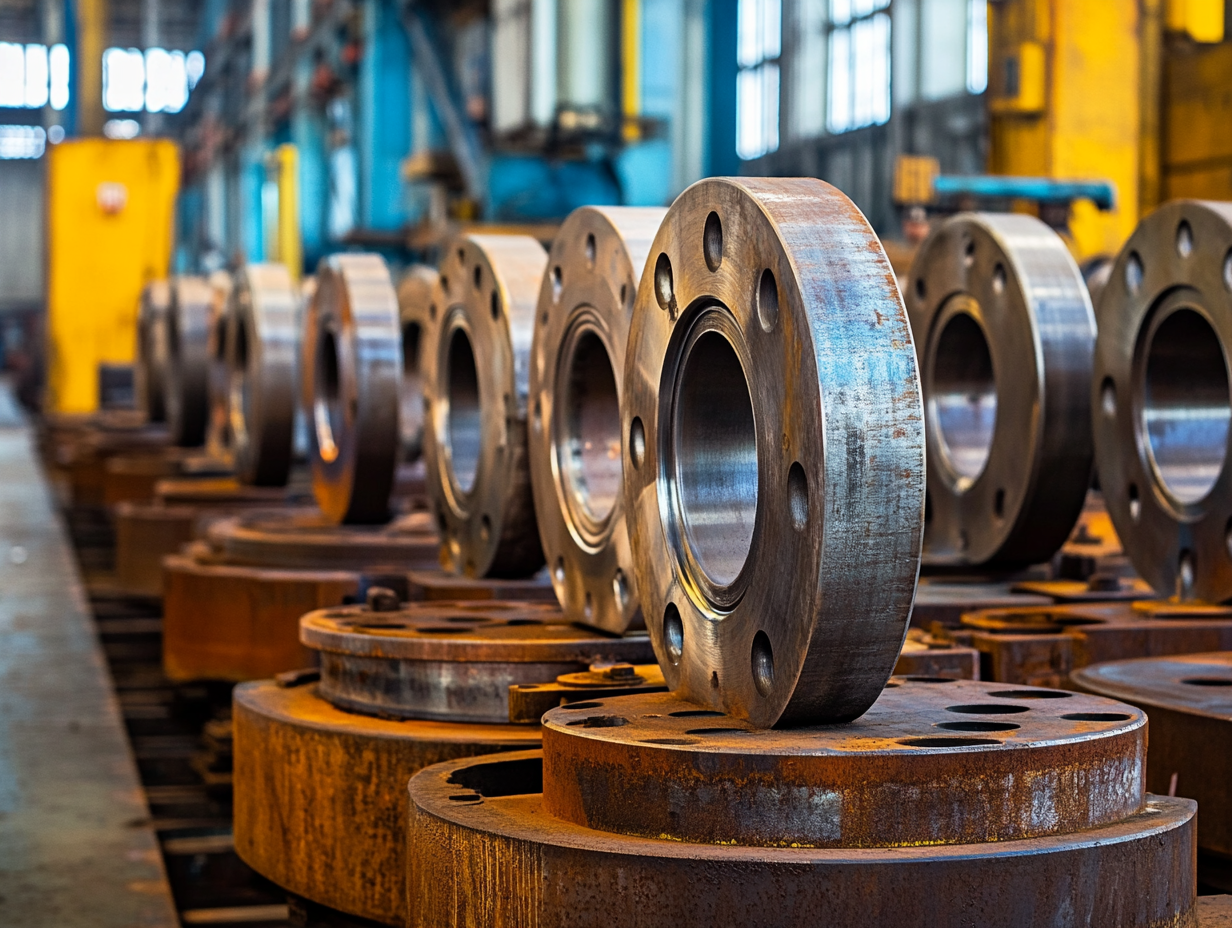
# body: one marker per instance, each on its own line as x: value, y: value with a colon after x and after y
x: 218, y: 430
x: 262, y: 348
x: 576, y: 383
x: 188, y: 329
x: 351, y: 385
x: 1160, y: 399
x: 477, y: 378
x: 1005, y: 335
x: 773, y: 443
x: 150, y: 371
x: 414, y: 299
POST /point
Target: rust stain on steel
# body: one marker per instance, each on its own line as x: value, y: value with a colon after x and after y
x: 504, y: 860
x: 320, y: 801
x: 227, y: 622
x: 952, y: 762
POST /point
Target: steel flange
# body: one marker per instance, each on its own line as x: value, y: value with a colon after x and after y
x: 1005, y: 336
x: 1160, y: 399
x: 414, y: 301
x: 262, y: 350
x: 188, y: 332
x: 477, y: 380
x: 773, y: 452
x: 150, y: 371
x: 352, y: 379
x: 218, y: 430
x: 576, y: 383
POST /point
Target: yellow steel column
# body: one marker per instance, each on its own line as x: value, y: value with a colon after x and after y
x: 290, y: 246
x: 1065, y: 102
x: 91, y: 39
x: 631, y: 69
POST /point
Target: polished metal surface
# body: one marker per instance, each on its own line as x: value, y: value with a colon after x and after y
x: 414, y: 301
x: 477, y: 383
x: 262, y: 355
x: 1005, y: 334
x: 352, y: 379
x: 1160, y: 399
x: 218, y: 430
x: 773, y: 452
x: 150, y: 369
x: 188, y: 361
x: 452, y: 661
x: 576, y: 384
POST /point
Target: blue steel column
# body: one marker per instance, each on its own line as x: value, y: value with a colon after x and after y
x: 383, y: 121
x: 721, y: 157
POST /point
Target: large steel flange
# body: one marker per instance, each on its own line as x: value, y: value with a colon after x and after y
x: 477, y: 381
x: 414, y: 302
x: 452, y: 661
x: 352, y: 378
x: 262, y: 353
x: 1160, y: 399
x: 187, y: 387
x: 576, y: 384
x: 218, y: 431
x: 1005, y: 336
x: 150, y: 371
x: 773, y: 452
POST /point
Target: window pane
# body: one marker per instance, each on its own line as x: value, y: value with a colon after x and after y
x: 839, y: 118
x: 22, y: 141
x: 771, y: 28
x: 36, y: 76
x: 807, y: 70
x: 977, y: 46
x: 194, y: 65
x: 58, y: 66
x: 748, y: 33
x: 840, y: 12
x: 123, y: 80
x: 769, y: 107
x: 748, y: 113
x: 12, y: 74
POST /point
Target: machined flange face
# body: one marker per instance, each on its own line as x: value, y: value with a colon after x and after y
x: 452, y: 661
x: 187, y: 386
x: 415, y: 291
x: 1160, y: 400
x: 1005, y: 333
x: 576, y: 383
x: 352, y: 380
x: 1041, y: 761
x: 773, y: 450
x: 476, y: 386
x: 150, y: 371
x: 307, y: 540
x: 262, y: 354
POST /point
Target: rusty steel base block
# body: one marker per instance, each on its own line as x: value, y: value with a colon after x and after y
x: 948, y: 804
x: 1189, y: 699
x: 1043, y: 646
x: 320, y: 770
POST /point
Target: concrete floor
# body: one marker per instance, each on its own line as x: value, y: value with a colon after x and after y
x: 74, y: 846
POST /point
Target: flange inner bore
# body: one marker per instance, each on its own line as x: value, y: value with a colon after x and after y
x: 586, y: 443
x: 710, y: 461
x: 464, y: 424
x: 1185, y: 405
x: 962, y: 404
x: 326, y: 408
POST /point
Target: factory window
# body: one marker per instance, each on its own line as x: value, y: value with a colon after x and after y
x: 977, y: 45
x: 21, y: 142
x: 859, y: 74
x: 31, y: 76
x: 759, y: 43
x: 157, y: 80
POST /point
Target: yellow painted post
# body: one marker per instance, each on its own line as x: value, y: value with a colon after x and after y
x: 631, y: 69
x: 110, y: 217
x: 1201, y: 20
x: 1078, y: 115
x: 91, y: 37
x: 290, y: 245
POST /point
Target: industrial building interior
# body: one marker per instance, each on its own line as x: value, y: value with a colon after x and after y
x: 616, y: 463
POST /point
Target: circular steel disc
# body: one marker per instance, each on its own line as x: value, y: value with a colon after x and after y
x: 218, y: 430
x: 351, y: 383
x: 150, y: 371
x: 188, y: 331
x: 262, y: 348
x: 476, y: 383
x: 576, y: 382
x: 414, y: 299
x: 1160, y: 399
x: 1005, y: 334
x: 773, y: 452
